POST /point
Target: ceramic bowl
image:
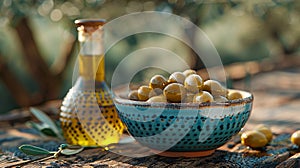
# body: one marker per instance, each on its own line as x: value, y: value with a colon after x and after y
x: 184, y: 129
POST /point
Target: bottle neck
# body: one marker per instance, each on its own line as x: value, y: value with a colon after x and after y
x: 91, y: 57
x: 92, y: 67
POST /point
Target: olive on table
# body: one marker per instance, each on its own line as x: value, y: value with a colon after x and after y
x: 295, y: 138
x: 144, y: 92
x: 189, y: 72
x: 133, y: 95
x: 203, y: 97
x: 214, y: 87
x: 174, y: 92
x: 266, y: 131
x: 254, y: 139
x: 157, y: 81
x: 193, y: 83
x: 176, y: 77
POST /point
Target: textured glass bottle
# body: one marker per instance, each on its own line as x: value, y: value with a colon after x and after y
x: 88, y: 116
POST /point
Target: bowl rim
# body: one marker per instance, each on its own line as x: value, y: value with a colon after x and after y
x: 247, y: 98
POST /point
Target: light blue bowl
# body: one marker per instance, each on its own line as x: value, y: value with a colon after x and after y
x: 184, y: 127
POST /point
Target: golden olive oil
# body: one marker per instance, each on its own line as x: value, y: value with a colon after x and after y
x: 88, y: 116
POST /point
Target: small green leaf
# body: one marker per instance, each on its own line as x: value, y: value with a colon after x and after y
x: 34, y: 150
x: 43, y: 128
x: 34, y: 125
x: 46, y: 120
x: 71, y: 151
x: 48, y: 132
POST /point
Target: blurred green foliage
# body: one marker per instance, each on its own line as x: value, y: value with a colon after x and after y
x: 240, y: 30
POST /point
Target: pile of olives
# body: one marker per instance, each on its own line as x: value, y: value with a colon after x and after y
x: 182, y: 87
x: 262, y: 135
x: 257, y: 138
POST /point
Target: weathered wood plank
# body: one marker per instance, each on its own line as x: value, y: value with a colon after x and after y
x: 277, y: 153
x: 291, y: 162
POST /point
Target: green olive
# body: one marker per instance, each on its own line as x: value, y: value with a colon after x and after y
x: 215, y: 88
x: 189, y: 72
x: 266, y: 131
x: 174, y: 92
x: 295, y: 138
x: 144, y: 92
x: 133, y: 95
x: 234, y: 95
x: 160, y: 98
x: 203, y: 97
x: 189, y: 98
x: 193, y: 83
x: 157, y: 81
x: 254, y: 139
x: 155, y: 92
x: 176, y: 77
x: 220, y: 99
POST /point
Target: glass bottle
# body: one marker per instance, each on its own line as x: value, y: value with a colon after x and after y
x: 88, y: 116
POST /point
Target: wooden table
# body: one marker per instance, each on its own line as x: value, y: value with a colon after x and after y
x: 275, y: 104
x: 279, y: 153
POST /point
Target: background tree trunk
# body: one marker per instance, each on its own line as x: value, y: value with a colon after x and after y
x: 49, y: 79
x: 19, y: 93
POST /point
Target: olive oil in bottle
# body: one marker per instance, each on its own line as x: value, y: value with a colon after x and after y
x: 88, y: 116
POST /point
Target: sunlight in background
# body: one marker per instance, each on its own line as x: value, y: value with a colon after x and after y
x: 241, y: 31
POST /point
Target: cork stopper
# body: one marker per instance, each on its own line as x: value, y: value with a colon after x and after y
x: 90, y: 22
x: 89, y: 25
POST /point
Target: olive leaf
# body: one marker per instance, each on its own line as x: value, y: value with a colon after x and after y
x: 34, y: 150
x: 71, y: 151
x: 46, y: 120
x: 64, y: 149
x: 43, y: 128
x: 67, y: 149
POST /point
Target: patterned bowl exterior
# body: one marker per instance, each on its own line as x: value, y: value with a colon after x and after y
x: 184, y: 127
